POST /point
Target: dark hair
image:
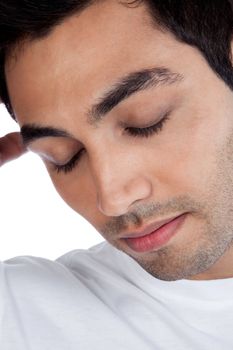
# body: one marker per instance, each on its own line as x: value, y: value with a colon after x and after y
x: 204, y: 24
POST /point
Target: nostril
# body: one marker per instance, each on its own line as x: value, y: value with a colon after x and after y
x: 120, y: 200
x: 111, y: 206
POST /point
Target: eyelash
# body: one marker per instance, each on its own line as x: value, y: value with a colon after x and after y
x: 148, y: 131
x: 67, y: 168
x: 135, y: 132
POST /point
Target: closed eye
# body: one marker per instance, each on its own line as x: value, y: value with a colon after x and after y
x: 150, y: 130
x: 68, y: 167
x: 135, y: 132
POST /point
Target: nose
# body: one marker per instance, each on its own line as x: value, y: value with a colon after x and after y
x: 119, y: 184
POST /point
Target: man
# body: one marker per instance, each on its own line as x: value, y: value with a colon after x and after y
x: 130, y: 106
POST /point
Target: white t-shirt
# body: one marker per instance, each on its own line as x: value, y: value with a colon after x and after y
x: 102, y: 299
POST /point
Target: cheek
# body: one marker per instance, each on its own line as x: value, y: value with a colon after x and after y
x: 192, y: 155
x: 175, y: 161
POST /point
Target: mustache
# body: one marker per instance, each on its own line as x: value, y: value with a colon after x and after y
x: 144, y: 212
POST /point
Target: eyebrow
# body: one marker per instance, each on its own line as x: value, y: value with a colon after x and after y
x: 124, y: 88
x: 33, y: 132
x: 129, y: 85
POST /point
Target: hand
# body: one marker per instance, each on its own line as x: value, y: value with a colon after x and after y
x: 11, y: 147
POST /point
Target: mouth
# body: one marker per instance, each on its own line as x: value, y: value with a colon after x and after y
x: 155, y: 235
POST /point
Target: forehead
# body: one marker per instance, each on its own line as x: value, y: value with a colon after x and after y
x: 64, y: 73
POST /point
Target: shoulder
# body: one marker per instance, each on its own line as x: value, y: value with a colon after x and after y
x: 75, y: 268
x: 30, y: 271
x: 24, y: 271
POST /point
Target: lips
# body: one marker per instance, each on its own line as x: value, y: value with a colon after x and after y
x: 155, y: 236
x: 150, y: 228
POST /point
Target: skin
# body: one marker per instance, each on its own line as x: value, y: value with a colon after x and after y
x: 11, y: 147
x: 123, y: 183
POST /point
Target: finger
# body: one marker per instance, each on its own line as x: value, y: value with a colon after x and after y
x: 11, y: 147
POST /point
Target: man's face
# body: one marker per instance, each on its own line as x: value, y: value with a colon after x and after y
x: 125, y: 180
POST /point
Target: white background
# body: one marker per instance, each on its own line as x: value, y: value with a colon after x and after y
x: 34, y: 220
